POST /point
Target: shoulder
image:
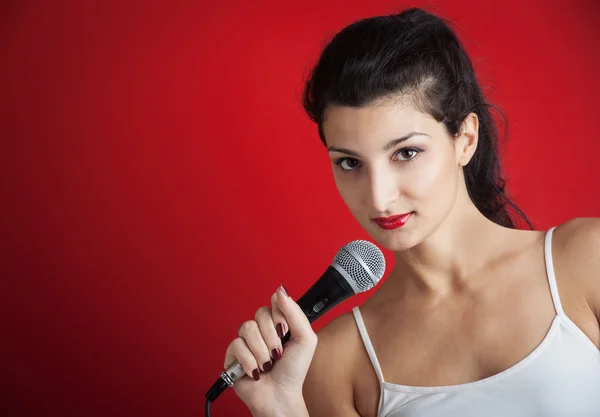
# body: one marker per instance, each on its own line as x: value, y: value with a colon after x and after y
x: 576, y: 246
x: 328, y: 388
x: 338, y: 339
x: 581, y: 228
x: 579, y: 240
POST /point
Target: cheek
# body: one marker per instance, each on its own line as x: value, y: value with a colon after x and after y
x: 433, y: 179
x: 352, y: 193
x: 346, y: 191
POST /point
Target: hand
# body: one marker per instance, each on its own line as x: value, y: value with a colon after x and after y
x: 274, y: 374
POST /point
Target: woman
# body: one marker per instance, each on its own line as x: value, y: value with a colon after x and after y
x: 477, y: 317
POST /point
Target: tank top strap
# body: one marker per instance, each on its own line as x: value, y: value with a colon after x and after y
x: 550, y: 273
x: 367, y: 342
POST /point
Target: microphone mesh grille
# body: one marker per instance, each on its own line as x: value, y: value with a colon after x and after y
x: 370, y: 255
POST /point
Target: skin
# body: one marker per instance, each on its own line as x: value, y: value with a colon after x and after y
x: 466, y: 298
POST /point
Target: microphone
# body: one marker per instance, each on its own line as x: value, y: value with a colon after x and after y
x: 357, y: 267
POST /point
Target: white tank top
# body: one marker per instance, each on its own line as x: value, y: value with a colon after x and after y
x: 561, y: 377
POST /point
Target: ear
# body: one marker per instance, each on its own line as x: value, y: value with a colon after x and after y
x: 466, y: 139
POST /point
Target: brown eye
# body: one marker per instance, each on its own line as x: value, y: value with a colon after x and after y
x: 407, y: 154
x: 348, y: 164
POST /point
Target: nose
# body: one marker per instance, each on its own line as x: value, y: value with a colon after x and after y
x: 383, y: 189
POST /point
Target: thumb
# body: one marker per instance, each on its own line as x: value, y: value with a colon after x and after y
x: 300, y: 328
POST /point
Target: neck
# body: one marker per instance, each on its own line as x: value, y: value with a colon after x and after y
x: 446, y: 261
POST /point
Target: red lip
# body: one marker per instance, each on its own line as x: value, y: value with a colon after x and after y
x: 392, y: 222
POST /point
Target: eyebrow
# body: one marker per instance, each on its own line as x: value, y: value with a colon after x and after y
x: 391, y: 144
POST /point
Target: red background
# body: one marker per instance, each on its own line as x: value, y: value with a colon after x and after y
x: 159, y: 178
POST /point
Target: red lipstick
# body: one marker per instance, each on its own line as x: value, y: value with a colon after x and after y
x: 392, y: 222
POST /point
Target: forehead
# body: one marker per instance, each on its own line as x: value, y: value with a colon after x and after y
x: 380, y: 121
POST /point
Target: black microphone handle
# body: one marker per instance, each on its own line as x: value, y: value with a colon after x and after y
x: 327, y: 292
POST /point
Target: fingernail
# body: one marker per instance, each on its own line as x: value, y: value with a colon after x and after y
x: 256, y: 374
x: 276, y: 354
x: 279, y: 329
x: 284, y: 291
x: 267, y: 366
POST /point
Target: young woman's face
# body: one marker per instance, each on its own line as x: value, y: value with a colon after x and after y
x: 389, y: 159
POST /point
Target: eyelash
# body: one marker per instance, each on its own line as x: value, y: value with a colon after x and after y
x: 339, y: 161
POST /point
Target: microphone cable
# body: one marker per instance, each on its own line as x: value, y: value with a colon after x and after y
x: 207, y: 408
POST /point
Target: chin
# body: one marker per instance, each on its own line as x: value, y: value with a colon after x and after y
x: 396, y: 240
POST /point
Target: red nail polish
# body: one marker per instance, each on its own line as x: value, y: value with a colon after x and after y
x: 267, y: 366
x: 279, y: 329
x: 276, y: 353
x: 256, y: 374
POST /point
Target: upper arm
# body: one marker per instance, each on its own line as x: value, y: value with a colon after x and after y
x: 580, y: 246
x: 328, y: 388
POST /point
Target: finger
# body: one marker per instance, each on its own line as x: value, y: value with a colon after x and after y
x: 253, y: 337
x: 264, y: 318
x: 238, y: 350
x: 298, y: 323
x: 281, y: 324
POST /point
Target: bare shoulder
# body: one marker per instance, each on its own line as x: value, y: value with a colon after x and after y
x: 587, y: 228
x: 578, y: 242
x: 328, y: 389
x: 576, y: 246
